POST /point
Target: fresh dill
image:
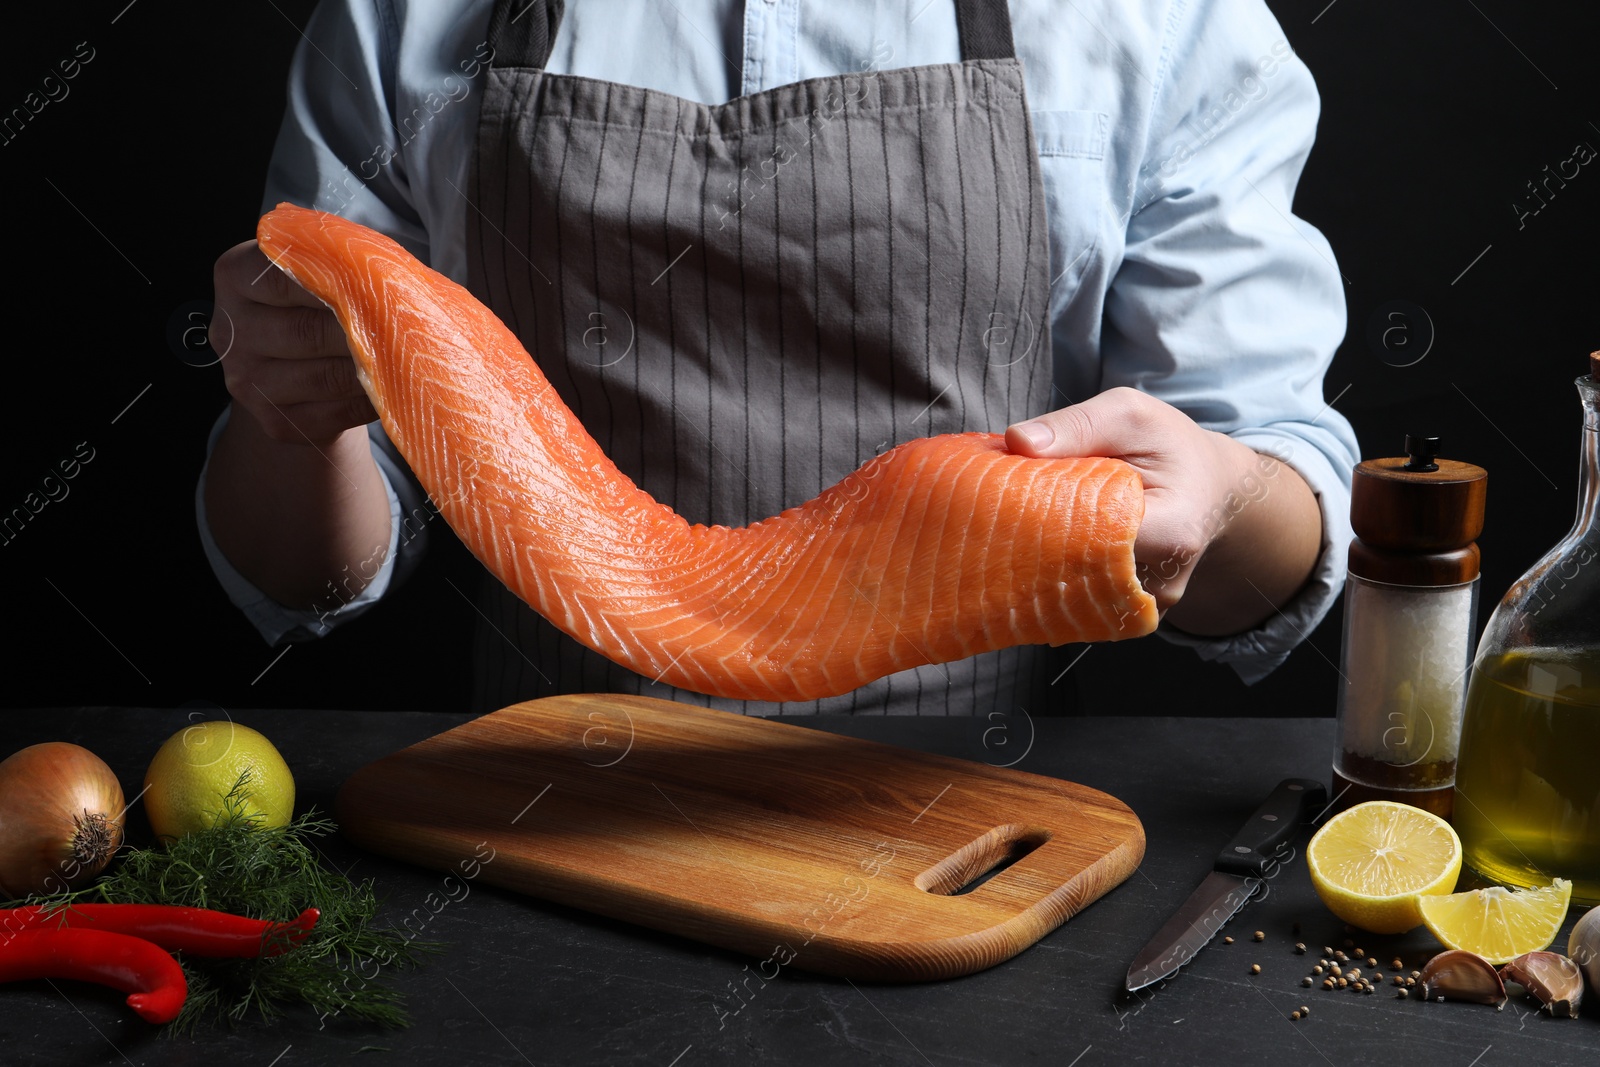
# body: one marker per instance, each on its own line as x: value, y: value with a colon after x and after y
x: 269, y: 873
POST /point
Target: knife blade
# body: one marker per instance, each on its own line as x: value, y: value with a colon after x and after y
x: 1240, y: 871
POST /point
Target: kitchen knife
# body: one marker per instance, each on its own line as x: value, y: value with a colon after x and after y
x: 1241, y: 870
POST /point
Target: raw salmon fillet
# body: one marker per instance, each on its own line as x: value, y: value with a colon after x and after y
x: 936, y: 550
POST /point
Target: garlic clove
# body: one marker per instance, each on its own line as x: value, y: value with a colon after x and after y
x: 1584, y: 945
x: 1551, y: 977
x: 1461, y: 975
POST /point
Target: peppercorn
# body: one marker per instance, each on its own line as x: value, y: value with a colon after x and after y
x: 1255, y: 968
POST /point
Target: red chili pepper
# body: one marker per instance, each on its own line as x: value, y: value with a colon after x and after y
x: 147, y: 972
x: 193, y: 931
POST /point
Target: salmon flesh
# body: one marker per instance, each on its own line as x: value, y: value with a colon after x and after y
x: 938, y: 549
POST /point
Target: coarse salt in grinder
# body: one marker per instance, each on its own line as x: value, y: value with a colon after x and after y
x: 1410, y: 611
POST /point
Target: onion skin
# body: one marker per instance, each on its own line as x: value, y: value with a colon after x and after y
x: 61, y: 818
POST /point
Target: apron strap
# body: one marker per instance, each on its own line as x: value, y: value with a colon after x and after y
x: 985, y: 29
x: 521, y: 32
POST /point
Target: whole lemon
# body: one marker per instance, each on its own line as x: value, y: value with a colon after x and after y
x: 193, y: 773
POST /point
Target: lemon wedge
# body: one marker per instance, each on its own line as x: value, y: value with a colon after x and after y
x: 1371, y: 863
x: 1499, y: 924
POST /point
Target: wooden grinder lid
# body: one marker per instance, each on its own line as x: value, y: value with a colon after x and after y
x: 1416, y: 517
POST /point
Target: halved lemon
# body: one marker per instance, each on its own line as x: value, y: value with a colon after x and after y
x: 1499, y: 924
x: 1372, y: 862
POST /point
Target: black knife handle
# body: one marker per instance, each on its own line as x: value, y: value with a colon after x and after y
x: 1254, y: 848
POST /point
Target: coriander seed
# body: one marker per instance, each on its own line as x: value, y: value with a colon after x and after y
x: 1299, y: 948
x: 1255, y: 968
x: 1260, y: 935
x: 1294, y: 1015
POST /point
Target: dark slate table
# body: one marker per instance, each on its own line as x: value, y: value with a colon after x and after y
x: 524, y: 982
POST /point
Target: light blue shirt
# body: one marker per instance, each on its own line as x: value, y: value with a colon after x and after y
x: 1171, y: 136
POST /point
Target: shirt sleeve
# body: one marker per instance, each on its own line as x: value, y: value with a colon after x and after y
x: 338, y: 149
x: 279, y: 624
x: 334, y: 152
x: 1226, y: 305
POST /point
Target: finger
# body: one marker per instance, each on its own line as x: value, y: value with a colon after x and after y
x: 1113, y: 423
x: 279, y: 332
x: 246, y: 271
x: 1167, y: 548
x: 316, y: 422
x: 305, y: 381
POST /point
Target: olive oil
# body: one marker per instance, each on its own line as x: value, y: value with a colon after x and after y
x: 1527, y: 805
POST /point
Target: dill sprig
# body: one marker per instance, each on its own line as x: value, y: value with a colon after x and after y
x: 270, y: 873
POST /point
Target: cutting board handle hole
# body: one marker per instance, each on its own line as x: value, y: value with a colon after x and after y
x: 974, y: 863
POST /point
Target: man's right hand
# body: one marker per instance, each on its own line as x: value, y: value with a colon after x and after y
x: 285, y: 358
x: 302, y: 524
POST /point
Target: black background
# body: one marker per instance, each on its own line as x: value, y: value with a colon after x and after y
x: 119, y: 197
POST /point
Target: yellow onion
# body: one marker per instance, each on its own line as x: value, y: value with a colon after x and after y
x: 61, y: 818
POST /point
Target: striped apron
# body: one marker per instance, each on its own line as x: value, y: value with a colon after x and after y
x: 745, y: 302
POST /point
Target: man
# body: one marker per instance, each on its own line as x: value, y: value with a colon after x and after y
x: 748, y: 277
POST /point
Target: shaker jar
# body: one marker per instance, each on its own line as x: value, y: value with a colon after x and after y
x: 1527, y: 803
x: 1409, y: 617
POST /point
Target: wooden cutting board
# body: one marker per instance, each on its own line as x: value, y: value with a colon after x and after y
x: 795, y: 846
